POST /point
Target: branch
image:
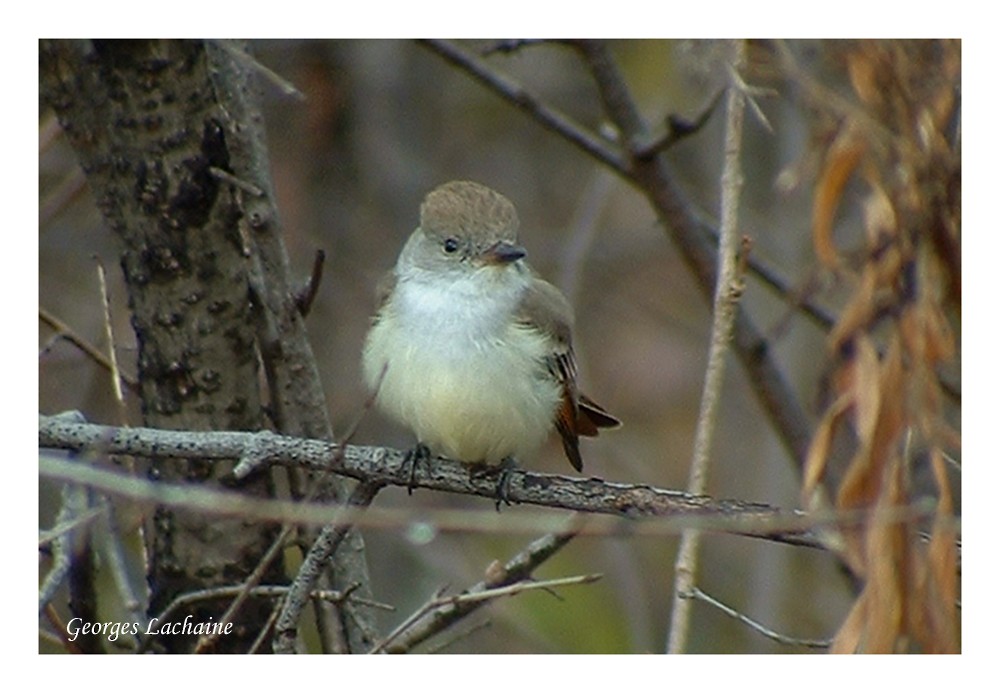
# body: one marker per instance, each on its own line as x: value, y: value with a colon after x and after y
x: 386, y: 466
x: 518, y: 96
x: 697, y: 594
x: 66, y: 332
x: 315, y: 562
x: 477, y: 597
x: 290, y: 367
x: 650, y: 175
x: 73, y: 516
x: 433, y: 618
x: 724, y: 305
x: 307, y: 294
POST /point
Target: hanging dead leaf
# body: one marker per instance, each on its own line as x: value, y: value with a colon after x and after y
x: 862, y: 70
x: 893, y: 389
x: 859, y: 486
x: 848, y: 638
x: 841, y: 161
x: 940, y: 593
x: 887, y: 556
x: 866, y: 383
x: 858, y: 312
x: 819, y: 448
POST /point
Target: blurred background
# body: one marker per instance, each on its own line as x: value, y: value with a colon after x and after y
x: 384, y: 122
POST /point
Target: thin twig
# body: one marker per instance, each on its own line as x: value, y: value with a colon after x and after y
x: 696, y: 593
x: 439, y: 601
x: 70, y: 335
x: 73, y: 507
x: 585, y: 229
x: 458, y: 637
x: 286, y: 624
x: 304, y: 298
x: 523, y: 99
x: 723, y: 312
x: 244, y: 185
x: 206, y: 641
x: 258, y: 644
x: 677, y: 129
x: 109, y: 333
x: 427, y: 622
x: 62, y: 527
x: 113, y: 553
x: 749, y: 92
x: 517, y: 588
x: 272, y: 591
x: 250, y: 62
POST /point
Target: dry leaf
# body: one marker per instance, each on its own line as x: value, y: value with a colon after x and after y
x: 841, y: 161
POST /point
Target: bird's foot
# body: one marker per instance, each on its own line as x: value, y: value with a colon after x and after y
x: 503, y: 474
x: 419, y: 455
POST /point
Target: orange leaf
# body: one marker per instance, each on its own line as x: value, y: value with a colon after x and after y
x: 858, y: 311
x: 887, y: 556
x: 867, y: 396
x: 942, y: 560
x: 819, y: 448
x: 841, y: 160
x: 848, y: 638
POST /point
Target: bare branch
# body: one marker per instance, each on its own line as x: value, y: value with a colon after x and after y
x: 677, y: 129
x: 113, y: 555
x: 428, y: 623
x: 385, y: 466
x: 523, y: 99
x: 650, y: 175
x: 73, y: 515
x: 305, y: 296
x: 285, y: 627
x: 236, y: 52
x: 286, y: 353
x: 686, y: 230
x: 697, y: 594
x: 109, y: 334
x: 723, y: 313
x: 70, y: 335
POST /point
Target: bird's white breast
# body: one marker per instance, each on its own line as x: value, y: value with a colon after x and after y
x: 470, y: 382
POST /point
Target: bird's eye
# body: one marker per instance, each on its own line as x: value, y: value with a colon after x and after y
x: 450, y: 245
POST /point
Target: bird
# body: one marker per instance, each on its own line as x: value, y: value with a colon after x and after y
x: 469, y: 348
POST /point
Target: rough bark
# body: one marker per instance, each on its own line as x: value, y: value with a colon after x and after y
x: 156, y: 138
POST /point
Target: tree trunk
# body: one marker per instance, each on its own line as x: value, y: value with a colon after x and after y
x: 152, y: 123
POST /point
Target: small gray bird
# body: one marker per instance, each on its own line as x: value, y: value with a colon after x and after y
x: 470, y: 349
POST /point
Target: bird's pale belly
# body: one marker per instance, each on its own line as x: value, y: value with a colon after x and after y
x: 480, y: 401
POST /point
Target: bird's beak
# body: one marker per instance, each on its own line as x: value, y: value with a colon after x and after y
x: 503, y: 253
